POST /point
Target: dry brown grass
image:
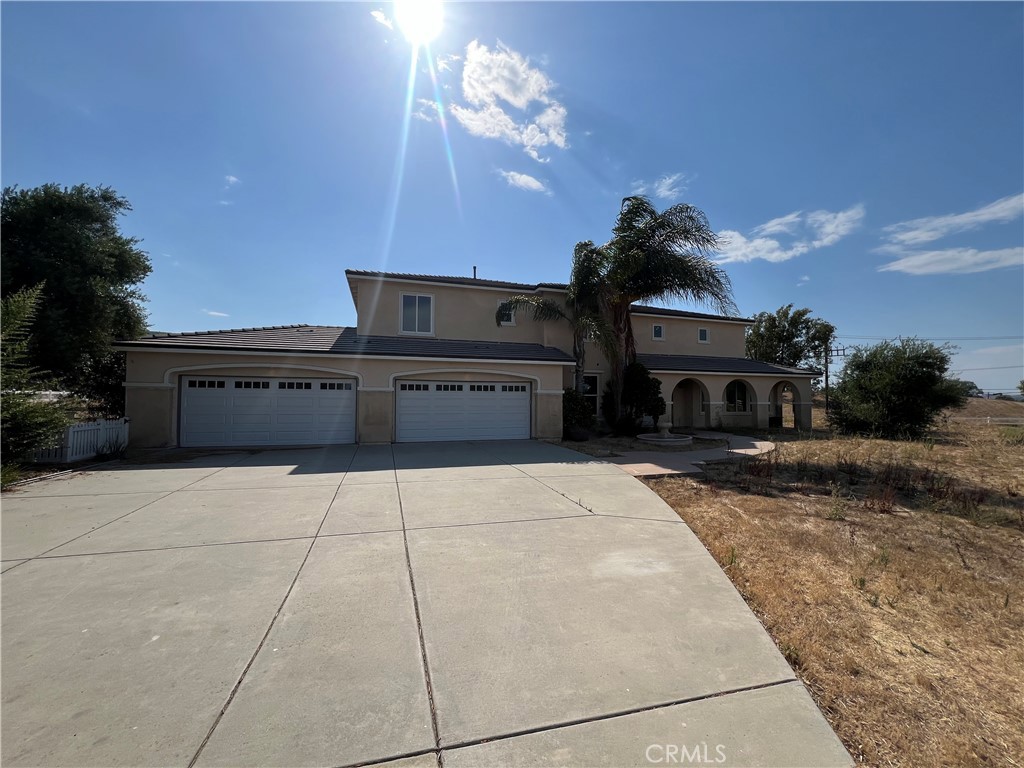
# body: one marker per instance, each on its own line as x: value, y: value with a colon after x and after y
x: 891, y: 575
x: 978, y: 408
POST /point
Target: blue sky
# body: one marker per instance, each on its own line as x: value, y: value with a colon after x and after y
x: 864, y: 160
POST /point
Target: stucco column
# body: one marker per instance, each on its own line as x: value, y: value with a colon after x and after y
x: 761, y: 412
x: 802, y: 416
x: 375, y: 416
x: 547, y: 415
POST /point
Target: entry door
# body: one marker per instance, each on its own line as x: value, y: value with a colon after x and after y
x: 462, y: 410
x: 229, y: 411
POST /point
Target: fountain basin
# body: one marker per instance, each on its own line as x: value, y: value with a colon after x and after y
x: 665, y: 438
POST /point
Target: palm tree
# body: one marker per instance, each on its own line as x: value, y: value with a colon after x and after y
x: 656, y: 256
x: 583, y: 309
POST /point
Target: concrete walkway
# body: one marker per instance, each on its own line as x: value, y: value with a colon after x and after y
x: 668, y: 463
x: 512, y: 604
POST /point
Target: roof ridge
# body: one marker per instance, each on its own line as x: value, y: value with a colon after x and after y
x: 454, y: 279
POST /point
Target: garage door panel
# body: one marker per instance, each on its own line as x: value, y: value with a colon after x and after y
x: 237, y: 411
x: 434, y: 411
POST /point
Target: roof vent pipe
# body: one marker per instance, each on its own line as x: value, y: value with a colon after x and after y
x: 474, y: 271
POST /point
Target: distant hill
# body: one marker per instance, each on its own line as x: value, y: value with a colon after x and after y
x: 979, y: 408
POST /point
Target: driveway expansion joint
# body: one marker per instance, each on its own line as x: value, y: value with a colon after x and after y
x: 419, y: 630
x: 263, y: 640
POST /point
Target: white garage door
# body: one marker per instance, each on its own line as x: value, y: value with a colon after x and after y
x: 224, y: 411
x: 462, y: 410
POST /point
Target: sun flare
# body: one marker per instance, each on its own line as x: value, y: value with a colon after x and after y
x: 419, y: 20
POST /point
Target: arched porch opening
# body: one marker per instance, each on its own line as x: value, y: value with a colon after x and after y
x: 691, y: 405
x: 786, y: 409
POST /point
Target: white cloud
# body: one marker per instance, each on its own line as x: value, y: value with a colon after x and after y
x: 230, y: 181
x: 667, y: 187
x: 428, y: 111
x: 444, y: 63
x: 226, y: 202
x: 956, y: 261
x: 493, y: 79
x: 817, y: 229
x: 931, y: 228
x: 214, y: 313
x: 784, y: 225
x: 524, y: 181
x: 830, y: 228
x: 380, y: 18
x: 670, y: 187
x: 804, y: 280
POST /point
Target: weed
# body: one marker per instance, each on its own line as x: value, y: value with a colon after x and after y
x: 837, y: 506
x: 9, y: 473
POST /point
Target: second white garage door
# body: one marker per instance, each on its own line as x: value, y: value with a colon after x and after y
x: 462, y: 410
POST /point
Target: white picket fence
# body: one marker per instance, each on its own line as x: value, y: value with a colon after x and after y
x: 86, y: 440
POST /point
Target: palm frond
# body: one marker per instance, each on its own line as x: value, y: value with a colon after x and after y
x: 543, y: 309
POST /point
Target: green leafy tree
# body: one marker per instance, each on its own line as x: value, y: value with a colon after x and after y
x: 966, y: 388
x: 894, y: 389
x: 1020, y: 386
x: 27, y: 421
x: 789, y: 337
x: 69, y: 238
x: 582, y: 308
x: 656, y: 256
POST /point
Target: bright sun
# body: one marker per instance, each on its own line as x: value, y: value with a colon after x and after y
x: 419, y: 20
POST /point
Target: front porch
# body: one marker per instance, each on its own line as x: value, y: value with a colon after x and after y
x: 724, y: 400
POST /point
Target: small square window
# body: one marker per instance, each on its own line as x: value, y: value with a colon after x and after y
x: 508, y: 317
x: 703, y: 336
x: 658, y: 332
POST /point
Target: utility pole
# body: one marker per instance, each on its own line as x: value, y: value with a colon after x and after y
x: 838, y: 352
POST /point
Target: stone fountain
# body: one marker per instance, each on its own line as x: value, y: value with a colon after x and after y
x: 664, y: 436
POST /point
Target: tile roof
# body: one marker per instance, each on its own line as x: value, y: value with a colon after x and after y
x: 337, y: 340
x: 642, y: 309
x: 706, y: 364
x: 455, y: 280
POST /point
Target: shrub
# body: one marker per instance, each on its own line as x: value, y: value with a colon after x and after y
x: 894, y: 390
x: 27, y: 421
x: 576, y: 411
x: 641, y: 397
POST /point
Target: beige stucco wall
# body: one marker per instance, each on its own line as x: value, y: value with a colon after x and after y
x: 467, y: 312
x: 726, y: 338
x: 151, y: 400
x: 459, y: 312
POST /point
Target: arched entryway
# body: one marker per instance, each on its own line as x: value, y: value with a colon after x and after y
x: 786, y: 409
x: 691, y: 407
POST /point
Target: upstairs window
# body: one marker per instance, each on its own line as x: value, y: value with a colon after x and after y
x: 417, y: 313
x: 703, y: 336
x: 658, y: 333
x: 508, y: 317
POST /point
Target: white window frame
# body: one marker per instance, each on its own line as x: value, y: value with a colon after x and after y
x: 512, y: 322
x: 655, y: 336
x: 401, y: 314
x: 707, y: 334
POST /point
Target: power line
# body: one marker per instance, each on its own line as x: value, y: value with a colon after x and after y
x: 991, y: 368
x: 933, y: 338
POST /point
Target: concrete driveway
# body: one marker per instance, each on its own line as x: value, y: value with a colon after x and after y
x: 512, y: 604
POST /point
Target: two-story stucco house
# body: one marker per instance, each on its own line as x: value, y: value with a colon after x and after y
x: 426, y: 361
